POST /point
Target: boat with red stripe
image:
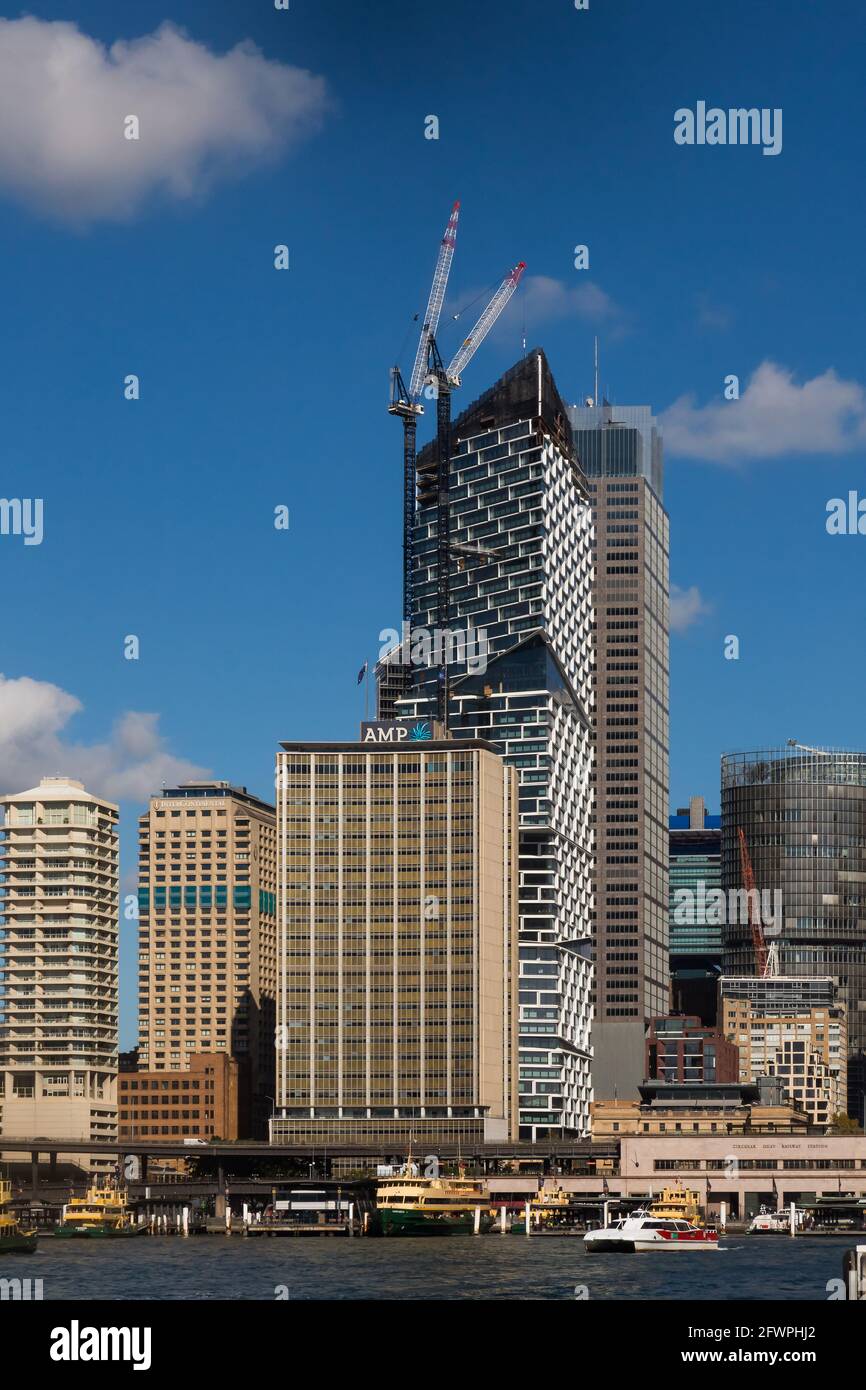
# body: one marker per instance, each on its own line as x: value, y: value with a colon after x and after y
x: 641, y: 1230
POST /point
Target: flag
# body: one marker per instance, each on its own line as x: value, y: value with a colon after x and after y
x: 362, y: 673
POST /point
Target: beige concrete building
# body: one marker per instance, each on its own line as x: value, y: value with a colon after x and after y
x: 58, y: 964
x: 678, y: 1109
x: 782, y: 1029
x: 207, y: 937
x: 201, y: 1103
x: 398, y: 942
x: 620, y: 451
x: 808, y: 1080
x: 744, y: 1171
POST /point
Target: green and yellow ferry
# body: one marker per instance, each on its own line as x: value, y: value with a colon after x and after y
x: 103, y: 1213
x: 14, y: 1240
x: 409, y: 1205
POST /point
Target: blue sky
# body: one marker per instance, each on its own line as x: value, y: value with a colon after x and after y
x: 261, y: 388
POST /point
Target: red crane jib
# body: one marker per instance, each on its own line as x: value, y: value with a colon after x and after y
x: 758, y: 939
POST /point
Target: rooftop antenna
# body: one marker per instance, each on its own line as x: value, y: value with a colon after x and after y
x: 596, y: 370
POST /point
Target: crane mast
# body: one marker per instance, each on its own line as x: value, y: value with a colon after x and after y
x: 406, y: 403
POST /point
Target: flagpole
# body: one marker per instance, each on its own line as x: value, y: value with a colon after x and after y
x: 366, y: 691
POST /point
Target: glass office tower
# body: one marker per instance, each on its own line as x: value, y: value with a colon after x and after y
x: 695, y: 942
x: 803, y: 812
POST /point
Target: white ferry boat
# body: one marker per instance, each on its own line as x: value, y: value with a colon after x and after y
x: 767, y: 1223
x: 643, y: 1231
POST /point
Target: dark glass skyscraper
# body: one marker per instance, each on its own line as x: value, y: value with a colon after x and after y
x: 803, y: 813
x: 695, y: 941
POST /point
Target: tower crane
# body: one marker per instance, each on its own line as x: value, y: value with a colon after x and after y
x: 766, y: 960
x: 447, y: 379
x: 405, y: 402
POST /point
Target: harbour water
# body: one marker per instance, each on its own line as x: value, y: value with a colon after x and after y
x: 499, y: 1267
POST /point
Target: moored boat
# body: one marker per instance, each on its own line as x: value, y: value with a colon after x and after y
x: 770, y: 1223
x: 14, y: 1240
x: 103, y: 1213
x: 410, y: 1205
x: 677, y: 1204
x: 550, y: 1206
x: 641, y: 1230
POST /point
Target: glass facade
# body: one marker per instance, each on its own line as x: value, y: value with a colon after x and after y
x: 803, y: 813
x: 621, y: 441
x: 695, y: 870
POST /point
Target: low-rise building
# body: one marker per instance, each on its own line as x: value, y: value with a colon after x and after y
x: 698, y: 1108
x: 200, y: 1102
x: 793, y: 1028
x: 741, y: 1172
x: 679, y: 1048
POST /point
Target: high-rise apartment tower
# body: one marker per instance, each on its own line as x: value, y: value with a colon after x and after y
x: 58, y: 964
x: 207, y: 937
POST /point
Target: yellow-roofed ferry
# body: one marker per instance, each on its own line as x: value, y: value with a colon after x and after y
x: 102, y: 1213
x: 14, y: 1240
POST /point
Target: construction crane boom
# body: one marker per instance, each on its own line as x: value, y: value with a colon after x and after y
x: 434, y: 303
x: 470, y: 345
x: 447, y: 380
x: 406, y: 403
x: 758, y: 940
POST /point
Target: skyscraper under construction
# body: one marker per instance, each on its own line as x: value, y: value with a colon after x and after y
x: 520, y: 577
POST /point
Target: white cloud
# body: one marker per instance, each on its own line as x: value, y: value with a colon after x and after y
x: 547, y: 300
x: 687, y: 607
x: 64, y: 98
x: 773, y: 417
x: 131, y: 765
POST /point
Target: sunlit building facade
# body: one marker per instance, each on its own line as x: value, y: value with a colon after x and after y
x: 207, y: 938
x: 397, y: 902
x: 620, y: 452
x: 58, y: 964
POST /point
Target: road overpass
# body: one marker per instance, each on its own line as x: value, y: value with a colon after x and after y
x: 573, y: 1156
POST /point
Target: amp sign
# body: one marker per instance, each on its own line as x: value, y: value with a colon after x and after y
x: 392, y: 731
